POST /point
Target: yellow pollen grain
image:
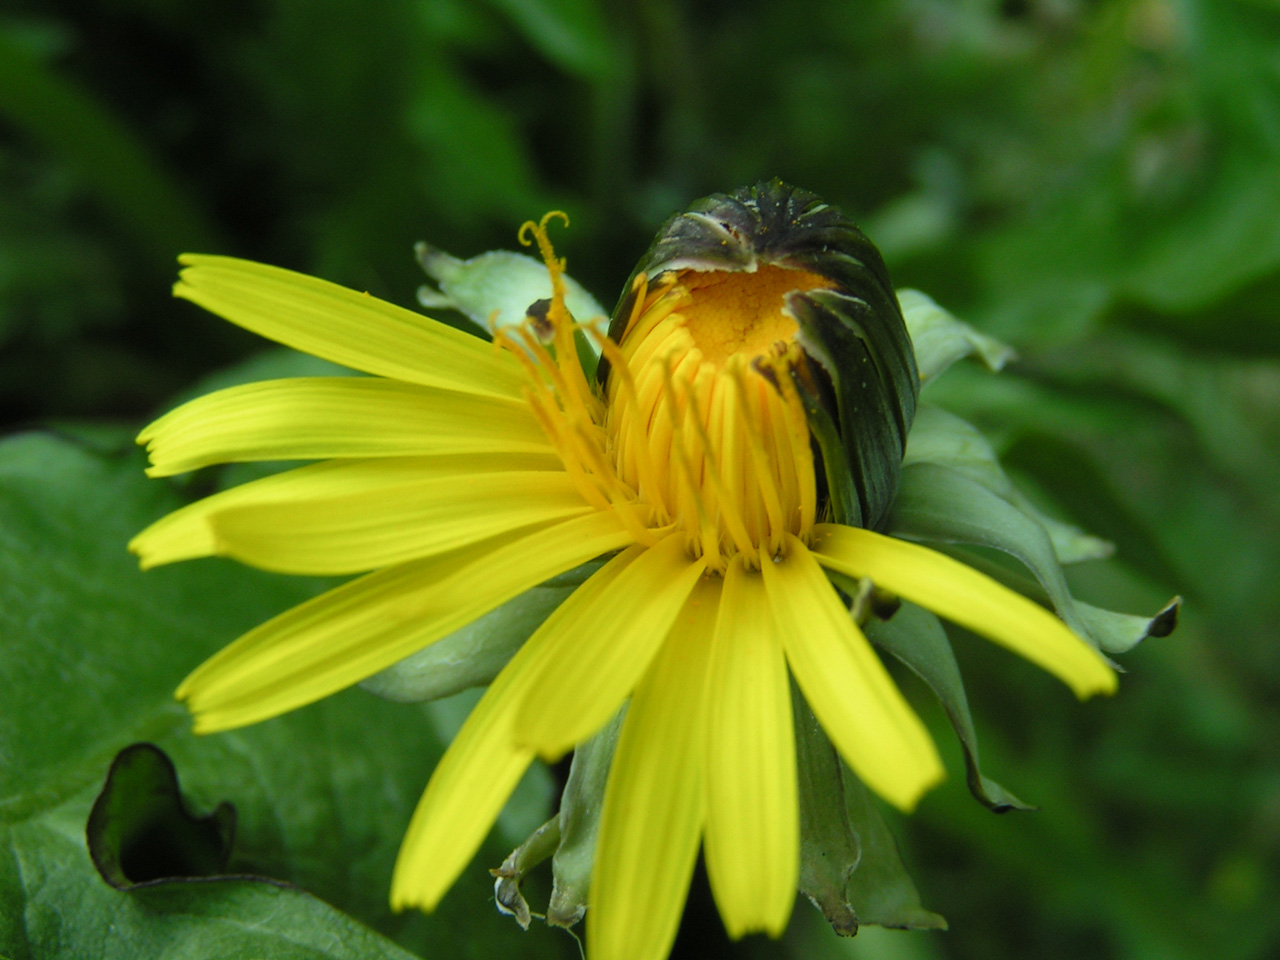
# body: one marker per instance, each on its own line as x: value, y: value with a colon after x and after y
x: 732, y: 313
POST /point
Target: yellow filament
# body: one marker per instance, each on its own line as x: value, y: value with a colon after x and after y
x: 558, y: 314
x: 621, y: 372
x: 568, y: 409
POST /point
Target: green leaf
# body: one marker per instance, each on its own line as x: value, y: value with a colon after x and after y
x: 322, y: 794
x: 140, y: 830
x: 916, y: 637
x: 53, y: 904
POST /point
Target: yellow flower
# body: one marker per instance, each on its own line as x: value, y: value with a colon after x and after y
x: 463, y: 473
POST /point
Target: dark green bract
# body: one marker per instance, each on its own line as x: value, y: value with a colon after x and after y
x: 860, y: 387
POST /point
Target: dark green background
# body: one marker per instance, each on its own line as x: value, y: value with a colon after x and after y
x: 1096, y: 182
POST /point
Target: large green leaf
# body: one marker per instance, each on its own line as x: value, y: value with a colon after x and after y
x: 140, y: 830
x: 52, y: 904
x: 93, y: 651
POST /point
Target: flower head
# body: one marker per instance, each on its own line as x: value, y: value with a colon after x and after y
x: 739, y: 444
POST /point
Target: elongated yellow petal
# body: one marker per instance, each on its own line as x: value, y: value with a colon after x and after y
x: 384, y: 525
x: 592, y: 661
x: 305, y: 492
x: 479, y: 770
x: 752, y: 842
x: 847, y: 686
x: 654, y: 803
x: 346, y: 327
x: 349, y: 633
x: 316, y: 418
x: 466, y: 793
x: 961, y: 594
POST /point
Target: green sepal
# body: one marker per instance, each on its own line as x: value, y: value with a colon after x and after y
x: 588, y: 353
x: 940, y: 339
x: 850, y: 865
x: 938, y: 504
x: 942, y: 505
x: 829, y: 850
x: 769, y: 222
x: 568, y: 838
x: 1113, y: 631
x: 841, y: 492
x: 874, y: 396
x: 1121, y: 632
x: 916, y: 637
x: 943, y: 438
x: 880, y: 889
x: 140, y: 830
x: 495, y: 289
x: 580, y: 807
x: 474, y: 654
x: 510, y: 874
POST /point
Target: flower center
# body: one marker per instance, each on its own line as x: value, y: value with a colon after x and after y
x: 701, y: 429
x: 730, y: 313
x: 696, y: 427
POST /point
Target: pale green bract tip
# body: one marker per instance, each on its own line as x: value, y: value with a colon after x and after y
x: 495, y: 289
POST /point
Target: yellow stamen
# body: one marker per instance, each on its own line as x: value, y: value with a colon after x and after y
x: 695, y: 426
x: 702, y: 429
x: 558, y: 314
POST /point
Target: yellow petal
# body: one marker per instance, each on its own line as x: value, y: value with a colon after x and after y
x: 480, y: 769
x: 752, y: 842
x: 592, y: 661
x: 349, y: 633
x: 303, y: 493
x: 468, y: 790
x: 346, y: 327
x: 654, y: 803
x: 847, y: 686
x: 963, y: 595
x: 384, y: 525
x: 315, y: 418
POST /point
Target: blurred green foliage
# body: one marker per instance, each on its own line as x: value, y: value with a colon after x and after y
x: 1096, y: 182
